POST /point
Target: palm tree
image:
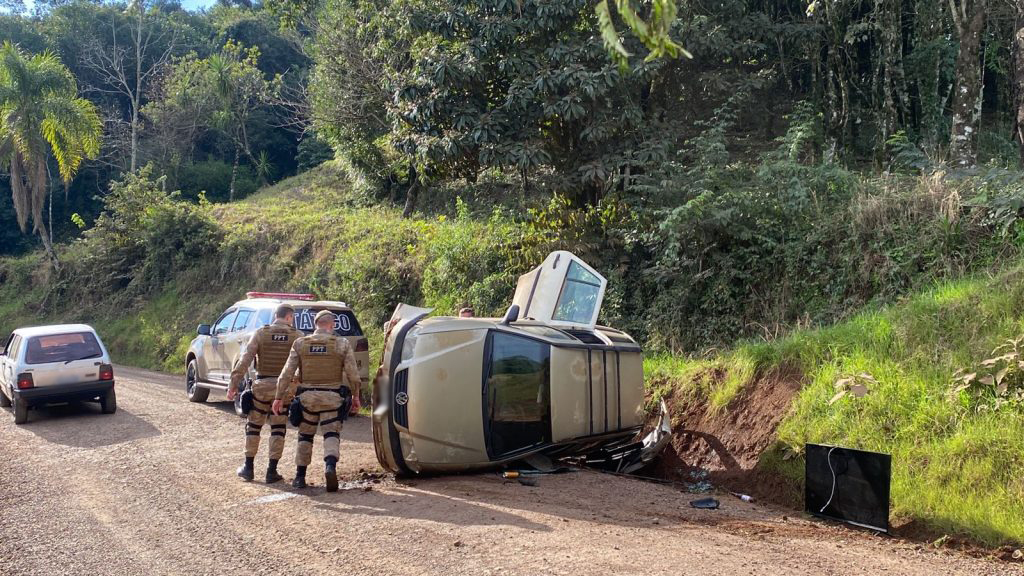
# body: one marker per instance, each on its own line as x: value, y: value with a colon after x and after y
x: 40, y: 114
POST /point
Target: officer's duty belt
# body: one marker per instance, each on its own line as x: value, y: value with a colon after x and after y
x: 302, y: 389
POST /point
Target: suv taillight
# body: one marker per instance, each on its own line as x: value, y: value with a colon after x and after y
x: 362, y: 345
x: 106, y: 372
x: 25, y: 381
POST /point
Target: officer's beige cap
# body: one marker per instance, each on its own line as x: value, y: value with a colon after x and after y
x: 323, y: 314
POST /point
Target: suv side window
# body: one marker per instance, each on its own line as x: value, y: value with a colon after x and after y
x: 242, y: 320
x: 223, y: 324
x: 264, y: 317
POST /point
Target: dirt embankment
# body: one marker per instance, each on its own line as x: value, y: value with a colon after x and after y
x: 724, y: 447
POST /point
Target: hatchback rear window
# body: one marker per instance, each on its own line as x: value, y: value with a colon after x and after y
x: 345, y: 323
x: 62, y: 348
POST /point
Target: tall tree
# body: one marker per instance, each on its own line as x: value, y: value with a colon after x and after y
x: 127, y: 66
x: 969, y: 19
x: 41, y: 113
x: 1017, y: 49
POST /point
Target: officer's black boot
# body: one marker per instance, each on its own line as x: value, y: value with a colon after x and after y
x: 300, y: 477
x: 331, y: 473
x: 245, y: 472
x: 272, y: 475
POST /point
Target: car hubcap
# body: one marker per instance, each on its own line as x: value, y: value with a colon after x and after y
x: 190, y: 381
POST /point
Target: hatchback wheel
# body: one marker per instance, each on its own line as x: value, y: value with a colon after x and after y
x: 193, y: 390
x: 108, y: 404
x: 20, y: 411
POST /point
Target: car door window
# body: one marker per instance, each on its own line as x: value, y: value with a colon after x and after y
x: 15, y: 347
x: 518, y: 394
x: 242, y: 320
x: 223, y: 324
x: 8, y: 348
x: 580, y: 296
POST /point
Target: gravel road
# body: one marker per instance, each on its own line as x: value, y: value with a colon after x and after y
x: 151, y: 490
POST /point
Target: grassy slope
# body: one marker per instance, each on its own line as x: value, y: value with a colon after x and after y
x: 956, y: 470
x: 309, y: 233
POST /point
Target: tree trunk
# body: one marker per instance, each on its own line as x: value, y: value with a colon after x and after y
x: 412, y: 193
x: 44, y: 235
x: 234, y: 176
x: 1018, y: 78
x: 969, y: 76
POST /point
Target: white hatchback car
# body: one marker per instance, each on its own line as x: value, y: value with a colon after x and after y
x: 52, y: 364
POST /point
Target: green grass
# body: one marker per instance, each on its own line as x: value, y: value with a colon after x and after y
x: 310, y: 233
x: 956, y: 469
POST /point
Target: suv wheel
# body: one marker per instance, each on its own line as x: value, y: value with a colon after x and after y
x: 108, y: 404
x: 193, y: 390
x: 20, y: 411
x: 5, y: 402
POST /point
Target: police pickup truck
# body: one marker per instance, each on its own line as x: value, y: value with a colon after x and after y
x: 218, y: 346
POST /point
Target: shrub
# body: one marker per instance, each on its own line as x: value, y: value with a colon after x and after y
x: 142, y: 238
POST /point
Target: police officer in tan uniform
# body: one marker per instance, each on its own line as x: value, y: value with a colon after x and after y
x: 269, y: 346
x: 324, y: 361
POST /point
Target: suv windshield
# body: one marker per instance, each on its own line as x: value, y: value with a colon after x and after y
x: 62, y: 348
x: 345, y: 323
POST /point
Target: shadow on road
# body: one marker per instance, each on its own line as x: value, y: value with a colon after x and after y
x: 83, y: 425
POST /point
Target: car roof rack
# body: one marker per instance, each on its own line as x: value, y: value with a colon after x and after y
x: 280, y: 295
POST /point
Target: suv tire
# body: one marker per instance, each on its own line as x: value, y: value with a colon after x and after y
x: 5, y: 402
x: 193, y: 390
x: 108, y: 403
x: 20, y: 411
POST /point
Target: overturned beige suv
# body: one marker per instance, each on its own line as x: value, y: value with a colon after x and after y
x: 459, y: 394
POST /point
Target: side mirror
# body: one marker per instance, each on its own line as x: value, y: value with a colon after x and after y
x: 512, y: 315
x: 203, y: 330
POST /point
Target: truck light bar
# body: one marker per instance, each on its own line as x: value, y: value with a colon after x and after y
x: 280, y: 295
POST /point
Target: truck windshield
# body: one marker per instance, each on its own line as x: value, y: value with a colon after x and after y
x: 62, y: 348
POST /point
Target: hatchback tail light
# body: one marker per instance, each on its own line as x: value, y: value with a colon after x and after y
x: 106, y: 372
x: 362, y: 345
x: 25, y: 381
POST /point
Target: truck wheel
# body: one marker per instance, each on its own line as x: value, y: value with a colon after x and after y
x: 20, y: 411
x: 108, y: 404
x: 193, y: 390
x: 5, y: 402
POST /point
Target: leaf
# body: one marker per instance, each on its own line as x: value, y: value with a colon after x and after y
x: 968, y: 378
x: 1001, y: 374
x: 866, y: 376
x: 859, y: 390
x: 836, y: 398
x: 987, y: 380
x: 842, y: 383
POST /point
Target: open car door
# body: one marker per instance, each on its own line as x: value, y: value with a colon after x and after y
x: 563, y: 290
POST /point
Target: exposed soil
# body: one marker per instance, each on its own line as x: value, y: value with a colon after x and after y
x: 151, y: 490
x: 727, y: 445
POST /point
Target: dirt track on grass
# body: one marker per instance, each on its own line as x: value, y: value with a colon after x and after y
x: 151, y: 490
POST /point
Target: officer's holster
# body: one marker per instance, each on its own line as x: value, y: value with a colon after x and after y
x: 246, y: 401
x: 346, y: 402
x: 295, y: 412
